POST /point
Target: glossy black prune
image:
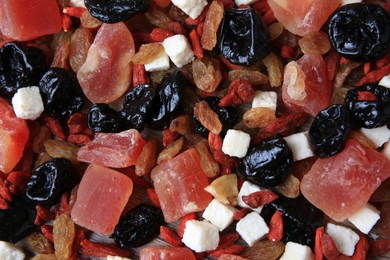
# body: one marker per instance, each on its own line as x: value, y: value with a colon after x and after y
x: 61, y: 93
x: 114, y: 11
x: 369, y: 113
x: 243, y: 37
x: 103, y: 119
x: 166, y: 104
x: 268, y: 163
x: 50, y: 180
x: 139, y: 226
x: 20, y: 66
x: 360, y: 32
x: 137, y: 105
x: 227, y: 115
x: 300, y: 219
x: 329, y: 130
x: 17, y: 221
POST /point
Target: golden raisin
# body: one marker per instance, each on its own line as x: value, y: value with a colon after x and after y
x: 40, y: 244
x: 207, y: 74
x: 207, y: 161
x: 80, y: 42
x: 170, y: 151
x: 61, y: 149
x: 148, y: 53
x: 265, y: 250
x: 213, y: 18
x: 290, y: 187
x: 182, y: 124
x: 253, y: 76
x: 207, y: 117
x: 258, y: 117
x: 275, y: 69
x: 63, y: 234
x: 315, y: 43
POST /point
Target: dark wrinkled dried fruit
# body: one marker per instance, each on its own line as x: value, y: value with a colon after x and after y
x: 50, y: 180
x: 360, y: 32
x: 103, y: 119
x: 137, y: 105
x: 61, y: 92
x: 330, y: 130
x: 300, y: 219
x: 244, y: 38
x: 20, y: 66
x: 369, y: 113
x: 166, y: 104
x: 113, y: 11
x: 138, y: 227
x: 18, y: 220
x: 267, y: 164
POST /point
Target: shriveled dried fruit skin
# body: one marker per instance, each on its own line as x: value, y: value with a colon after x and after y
x: 170, y: 151
x: 89, y: 22
x: 209, y: 165
x: 213, y: 18
x: 258, y: 117
x: 207, y: 117
x: 147, y: 159
x: 265, y: 250
x: 275, y: 69
x: 253, y: 76
x: 207, y: 74
x: 290, y: 187
x: 182, y: 124
x: 315, y: 43
x: 61, y: 149
x: 39, y: 243
x: 80, y: 43
x: 63, y: 234
x: 106, y: 73
x: 147, y: 53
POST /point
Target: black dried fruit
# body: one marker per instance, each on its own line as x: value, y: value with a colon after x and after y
x: 166, y: 104
x: 369, y: 113
x: 140, y: 226
x: 137, y: 105
x: 17, y: 221
x: 244, y: 38
x: 61, y: 93
x: 360, y: 32
x: 20, y: 66
x: 103, y: 119
x: 330, y: 130
x: 114, y: 11
x: 268, y: 163
x: 227, y: 115
x: 300, y: 219
x: 50, y: 180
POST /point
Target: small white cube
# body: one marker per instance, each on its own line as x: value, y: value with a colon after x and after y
x: 111, y: 257
x: 378, y: 136
x: 300, y: 146
x: 344, y: 238
x: 386, y: 150
x: 200, y: 236
x: 295, y: 251
x: 252, y: 228
x: 193, y: 8
x: 365, y: 218
x: 236, y: 143
x: 179, y: 50
x: 77, y: 3
x: 27, y: 103
x: 246, y: 189
x: 385, y: 81
x: 219, y: 214
x: 245, y: 2
x: 265, y: 99
x: 159, y: 64
x: 9, y: 251
x: 345, y: 2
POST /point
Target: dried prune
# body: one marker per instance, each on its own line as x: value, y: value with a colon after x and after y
x: 300, y: 218
x: 330, y: 130
x: 166, y: 104
x: 244, y: 38
x: 360, y: 32
x: 20, y: 66
x: 227, y: 115
x: 61, y: 92
x: 114, y: 11
x: 267, y: 164
x: 137, y: 105
x: 18, y: 220
x: 369, y: 113
x: 138, y: 227
x: 103, y: 119
x: 50, y: 180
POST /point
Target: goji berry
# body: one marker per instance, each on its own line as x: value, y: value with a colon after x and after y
x: 329, y: 249
x: 240, y: 91
x: 159, y: 34
x: 259, y: 198
x: 233, y: 250
x: 169, y: 136
x: 182, y: 224
x: 366, y: 67
x: 379, y: 247
x: 228, y: 64
x: 142, y: 37
x: 227, y: 239
x: 317, y: 243
x: 361, y: 248
x: 55, y: 127
x: 140, y: 181
x: 79, y: 139
x: 286, y: 52
x: 177, y: 28
x: 261, y: 6
x: 66, y: 22
x: 269, y: 17
x: 139, y: 75
x: 47, y: 231
x: 276, y: 227
x: 153, y: 197
x: 240, y: 214
x: 74, y: 11
x: 79, y: 237
x: 197, y: 48
x: 366, y: 96
x: 94, y: 249
x: 199, y: 28
x: 344, y: 61
x: 374, y: 76
x: 170, y: 236
x: 384, y: 60
x: 77, y: 122
x: 63, y: 207
x: 44, y: 213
